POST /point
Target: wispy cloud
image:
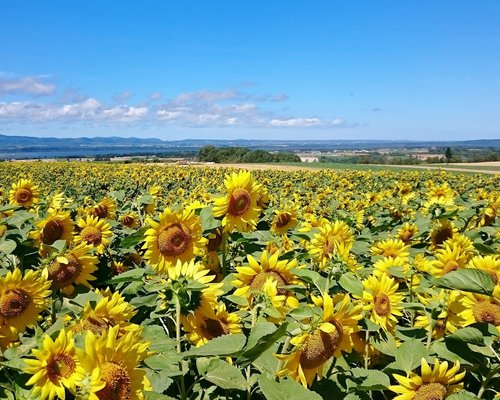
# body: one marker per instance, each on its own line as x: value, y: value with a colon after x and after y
x: 200, y: 109
x: 26, y: 85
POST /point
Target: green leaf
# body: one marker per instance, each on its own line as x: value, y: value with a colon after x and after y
x: 168, y: 363
x: 266, y: 338
x: 468, y: 335
x: 134, y: 238
x: 351, y: 283
x: 224, y: 375
x: 409, y: 355
x: 156, y: 396
x: 147, y: 300
x: 221, y: 346
x: 307, y: 275
x: 468, y: 280
x: 160, y: 342
x: 373, y: 379
x: 129, y: 276
x: 485, y: 249
x: 208, y: 222
x: 239, y: 300
x: 7, y: 246
x: 462, y: 395
x: 285, y: 389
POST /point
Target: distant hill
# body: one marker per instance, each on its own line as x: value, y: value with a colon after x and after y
x: 48, y: 147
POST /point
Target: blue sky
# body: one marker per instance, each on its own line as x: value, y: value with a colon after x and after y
x: 286, y: 69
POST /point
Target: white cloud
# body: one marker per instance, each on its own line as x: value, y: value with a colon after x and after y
x: 122, y: 96
x: 289, y: 122
x: 27, y: 85
x: 155, y: 96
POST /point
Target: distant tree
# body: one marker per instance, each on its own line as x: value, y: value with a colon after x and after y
x: 448, y: 154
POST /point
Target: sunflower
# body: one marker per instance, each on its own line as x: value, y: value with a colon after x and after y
x: 489, y: 264
x: 284, y: 221
x: 94, y: 232
x: 177, y: 237
x: 333, y: 238
x: 382, y: 300
x: 447, y: 259
x: 23, y: 298
x: 239, y: 206
x: 56, y: 367
x: 431, y: 384
x: 114, y: 362
x: 407, y: 233
x: 130, y: 220
x: 443, y: 231
x: 251, y: 278
x: 181, y: 275
x: 204, y: 325
x: 110, y: 310
x: 441, y: 194
x: 388, y: 265
x: 24, y: 194
x: 73, y: 267
x: 481, y: 308
x: 8, y: 336
x: 449, y: 319
x: 390, y: 248
x: 326, y: 340
x: 57, y: 226
x: 105, y: 209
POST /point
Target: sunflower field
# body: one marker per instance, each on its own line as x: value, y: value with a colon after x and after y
x: 129, y: 281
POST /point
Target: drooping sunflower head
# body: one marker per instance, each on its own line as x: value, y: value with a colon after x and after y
x: 23, y: 298
x: 333, y: 238
x: 448, y: 258
x: 57, y: 226
x: 435, y: 383
x: 24, y: 194
x: 489, y: 264
x: 176, y: 237
x: 114, y: 361
x: 56, y: 367
x: 73, y: 267
x: 105, y: 209
x: 382, y: 300
x: 94, y: 232
x: 481, y: 308
x: 239, y: 206
x: 182, y: 276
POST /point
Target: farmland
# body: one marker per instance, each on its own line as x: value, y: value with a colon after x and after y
x: 149, y: 281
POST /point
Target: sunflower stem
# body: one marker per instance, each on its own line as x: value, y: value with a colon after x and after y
x: 485, y: 383
x: 178, y: 340
x: 224, y: 254
x: 283, y: 351
x: 429, y: 333
x: 367, y: 348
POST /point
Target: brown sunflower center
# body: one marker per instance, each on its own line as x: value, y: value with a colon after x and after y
x: 91, y: 235
x: 493, y: 275
x: 329, y: 246
x: 319, y: 346
x: 13, y: 302
x: 442, y: 235
x: 239, y: 202
x: 52, y: 231
x: 174, y: 240
x: 406, y: 236
x: 261, y: 278
x: 100, y: 211
x: 390, y: 252
x: 283, y: 219
x: 117, y: 381
x: 430, y: 391
x: 23, y: 196
x: 487, y: 311
x: 128, y: 220
x: 382, y: 304
x: 60, y: 366
x: 63, y: 274
x: 451, y: 265
x: 216, y: 328
x: 95, y: 324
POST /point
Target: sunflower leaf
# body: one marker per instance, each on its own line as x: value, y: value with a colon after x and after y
x: 351, y: 283
x: 285, y: 389
x: 262, y: 337
x: 468, y: 280
x: 468, y: 335
x: 133, y: 239
x: 221, y: 346
x: 409, y: 355
x: 225, y: 375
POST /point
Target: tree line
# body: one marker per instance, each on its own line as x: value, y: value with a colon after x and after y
x: 236, y: 155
